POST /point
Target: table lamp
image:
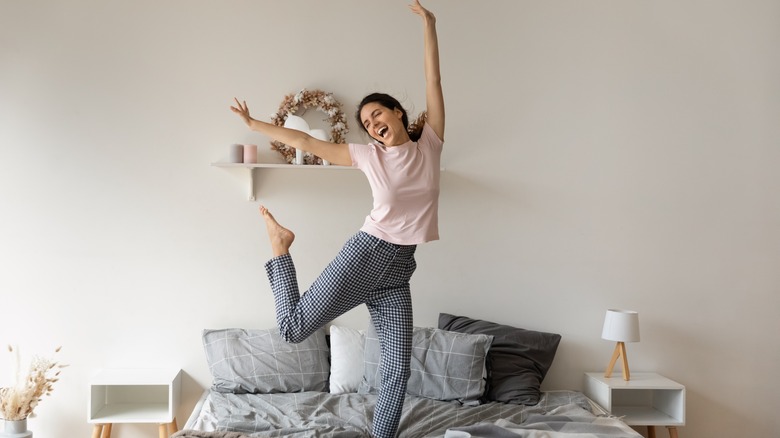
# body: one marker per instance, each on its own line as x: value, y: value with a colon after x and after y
x: 620, y: 326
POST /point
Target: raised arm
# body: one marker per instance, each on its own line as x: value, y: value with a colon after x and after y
x: 434, y: 97
x: 336, y: 153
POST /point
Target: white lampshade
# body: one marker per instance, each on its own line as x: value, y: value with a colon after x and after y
x: 297, y: 123
x: 621, y: 326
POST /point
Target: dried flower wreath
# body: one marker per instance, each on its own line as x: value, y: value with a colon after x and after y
x: 319, y: 99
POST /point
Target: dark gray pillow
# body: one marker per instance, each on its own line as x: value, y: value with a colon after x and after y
x: 444, y: 366
x: 517, y: 361
x: 260, y: 361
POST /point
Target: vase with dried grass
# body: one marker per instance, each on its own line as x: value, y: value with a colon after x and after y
x: 17, y: 403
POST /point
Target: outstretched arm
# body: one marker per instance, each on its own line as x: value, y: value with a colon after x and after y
x: 434, y: 97
x: 334, y: 152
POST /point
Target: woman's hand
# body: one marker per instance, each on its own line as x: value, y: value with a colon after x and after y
x: 418, y: 9
x: 243, y: 111
x: 335, y: 153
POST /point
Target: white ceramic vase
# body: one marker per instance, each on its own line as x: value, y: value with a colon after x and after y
x: 15, y: 429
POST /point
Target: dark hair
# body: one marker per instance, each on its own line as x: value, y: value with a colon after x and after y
x: 414, y: 130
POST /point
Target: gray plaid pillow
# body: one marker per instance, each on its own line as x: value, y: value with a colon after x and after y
x: 444, y: 366
x: 260, y: 361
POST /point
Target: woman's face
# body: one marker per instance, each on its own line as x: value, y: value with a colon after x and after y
x: 383, y: 124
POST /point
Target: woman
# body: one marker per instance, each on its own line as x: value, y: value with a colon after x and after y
x: 375, y: 265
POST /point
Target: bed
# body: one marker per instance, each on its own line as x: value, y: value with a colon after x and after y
x: 469, y: 378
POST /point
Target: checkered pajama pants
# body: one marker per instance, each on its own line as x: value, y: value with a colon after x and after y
x: 366, y: 270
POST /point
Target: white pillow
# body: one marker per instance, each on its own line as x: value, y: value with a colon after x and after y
x: 346, y: 359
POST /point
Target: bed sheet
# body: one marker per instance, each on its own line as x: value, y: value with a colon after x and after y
x: 318, y: 414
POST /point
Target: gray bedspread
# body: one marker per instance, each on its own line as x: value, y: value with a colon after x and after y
x: 317, y: 414
x: 564, y: 422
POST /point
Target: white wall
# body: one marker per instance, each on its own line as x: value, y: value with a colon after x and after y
x: 599, y: 154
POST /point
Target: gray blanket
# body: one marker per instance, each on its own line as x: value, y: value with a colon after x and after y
x: 323, y: 415
x: 566, y: 421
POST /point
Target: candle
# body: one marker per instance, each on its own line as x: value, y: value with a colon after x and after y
x: 250, y: 153
x: 236, y: 153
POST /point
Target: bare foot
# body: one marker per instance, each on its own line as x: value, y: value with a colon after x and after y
x: 281, y: 238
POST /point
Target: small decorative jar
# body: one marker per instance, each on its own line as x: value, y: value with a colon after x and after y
x: 250, y: 153
x: 236, y: 153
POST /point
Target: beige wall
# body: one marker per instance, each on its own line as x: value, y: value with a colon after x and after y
x: 599, y: 154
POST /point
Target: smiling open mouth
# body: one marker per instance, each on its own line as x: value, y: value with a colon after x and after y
x: 382, y: 131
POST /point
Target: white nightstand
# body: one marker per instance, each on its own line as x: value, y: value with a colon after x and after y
x: 134, y: 396
x: 647, y: 399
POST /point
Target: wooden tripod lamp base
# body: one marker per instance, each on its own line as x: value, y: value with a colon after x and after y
x: 620, y: 351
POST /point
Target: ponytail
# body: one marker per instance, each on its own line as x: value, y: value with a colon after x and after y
x: 415, y: 128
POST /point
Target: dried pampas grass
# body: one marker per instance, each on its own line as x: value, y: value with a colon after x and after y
x: 19, y: 402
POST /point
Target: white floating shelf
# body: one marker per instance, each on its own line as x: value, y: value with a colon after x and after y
x: 282, y: 166
x: 251, y: 167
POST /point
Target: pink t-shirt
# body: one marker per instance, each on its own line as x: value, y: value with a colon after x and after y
x: 405, y: 184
